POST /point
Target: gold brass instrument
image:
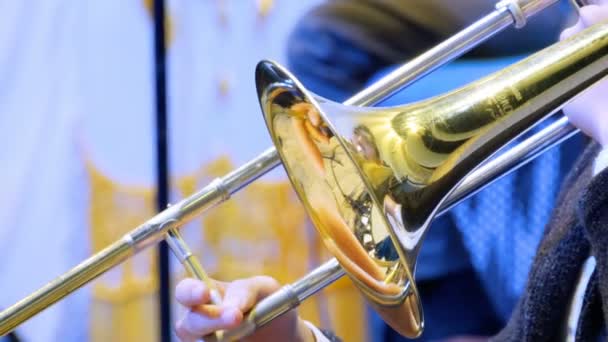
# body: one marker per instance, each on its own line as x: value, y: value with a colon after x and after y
x: 372, y: 179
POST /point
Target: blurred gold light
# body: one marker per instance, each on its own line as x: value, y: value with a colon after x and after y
x: 264, y: 7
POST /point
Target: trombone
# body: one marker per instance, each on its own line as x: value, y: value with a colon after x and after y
x: 392, y: 290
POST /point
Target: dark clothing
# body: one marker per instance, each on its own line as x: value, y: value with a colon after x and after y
x: 444, y: 301
x: 578, y: 228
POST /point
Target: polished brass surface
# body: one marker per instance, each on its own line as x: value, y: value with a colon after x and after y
x: 372, y: 179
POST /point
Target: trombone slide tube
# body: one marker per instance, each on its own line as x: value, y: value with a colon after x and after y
x: 193, y: 267
x: 286, y: 298
x: 182, y: 252
x: 64, y: 285
x: 509, y: 161
x: 221, y: 189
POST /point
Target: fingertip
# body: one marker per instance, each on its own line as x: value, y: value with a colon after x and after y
x: 199, y: 293
x: 191, y: 292
x: 204, y: 320
x: 232, y: 316
x: 234, y: 301
x: 237, y: 294
x: 194, y: 322
x: 182, y: 333
x: 266, y: 286
x: 567, y: 33
x: 244, y: 293
x: 239, y: 317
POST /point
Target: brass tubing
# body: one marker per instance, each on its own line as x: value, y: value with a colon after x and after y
x: 91, y: 268
x: 182, y: 252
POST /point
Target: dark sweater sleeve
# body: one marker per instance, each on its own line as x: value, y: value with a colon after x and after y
x: 593, y: 213
x: 556, y: 266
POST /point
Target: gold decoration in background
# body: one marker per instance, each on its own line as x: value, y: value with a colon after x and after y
x: 264, y: 7
x: 224, y: 84
x: 124, y: 303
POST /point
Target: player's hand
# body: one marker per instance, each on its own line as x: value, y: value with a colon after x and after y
x: 238, y: 298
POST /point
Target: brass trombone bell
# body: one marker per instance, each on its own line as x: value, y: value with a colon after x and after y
x: 372, y: 179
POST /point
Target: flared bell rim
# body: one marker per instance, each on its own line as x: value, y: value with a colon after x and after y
x: 270, y: 78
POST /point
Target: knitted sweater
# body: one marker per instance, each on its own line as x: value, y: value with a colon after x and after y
x: 577, y: 231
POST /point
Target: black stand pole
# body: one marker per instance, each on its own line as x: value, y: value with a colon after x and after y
x: 162, y: 157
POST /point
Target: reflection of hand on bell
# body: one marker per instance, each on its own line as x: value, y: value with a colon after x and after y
x: 356, y: 261
x: 364, y: 142
x: 313, y: 122
x: 344, y: 246
x: 309, y: 130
